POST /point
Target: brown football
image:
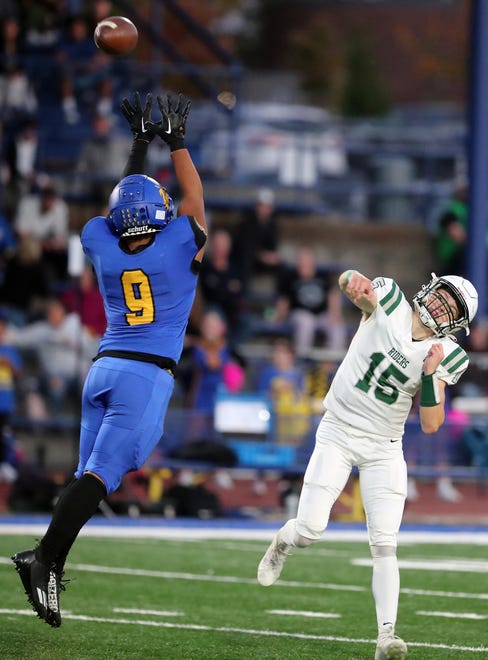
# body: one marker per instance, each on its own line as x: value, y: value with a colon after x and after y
x: 116, y: 35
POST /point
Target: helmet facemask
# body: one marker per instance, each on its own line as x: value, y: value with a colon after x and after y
x: 432, y: 305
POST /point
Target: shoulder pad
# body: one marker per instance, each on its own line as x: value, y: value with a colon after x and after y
x: 198, y: 231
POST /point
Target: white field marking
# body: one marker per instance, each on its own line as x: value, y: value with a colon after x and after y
x: 198, y: 577
x: 454, y: 615
x: 315, y: 552
x: 130, y: 610
x: 314, y: 615
x: 146, y: 541
x: 443, y: 594
x: 453, y: 565
x: 245, y: 631
x: 94, y: 529
x: 167, y: 575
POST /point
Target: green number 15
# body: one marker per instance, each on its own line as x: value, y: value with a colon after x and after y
x: 386, y: 390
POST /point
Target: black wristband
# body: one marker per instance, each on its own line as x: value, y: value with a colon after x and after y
x: 174, y: 142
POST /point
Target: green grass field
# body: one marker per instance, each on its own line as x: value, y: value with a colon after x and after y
x: 199, y: 600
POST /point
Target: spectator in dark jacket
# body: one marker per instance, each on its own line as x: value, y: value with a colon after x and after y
x: 257, y: 238
x: 308, y: 298
x: 221, y: 283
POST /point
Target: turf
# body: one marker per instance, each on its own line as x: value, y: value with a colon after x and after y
x: 199, y: 600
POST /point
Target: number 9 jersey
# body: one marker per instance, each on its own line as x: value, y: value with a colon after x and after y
x: 381, y: 372
x: 147, y: 294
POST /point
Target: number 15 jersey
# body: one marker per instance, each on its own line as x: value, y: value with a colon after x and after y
x: 381, y: 372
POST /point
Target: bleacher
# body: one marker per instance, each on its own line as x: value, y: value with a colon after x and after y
x: 284, y: 442
x: 246, y: 435
x: 262, y: 439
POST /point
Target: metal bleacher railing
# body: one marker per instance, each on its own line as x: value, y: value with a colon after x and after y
x: 284, y: 442
x: 388, y: 179
x: 262, y: 437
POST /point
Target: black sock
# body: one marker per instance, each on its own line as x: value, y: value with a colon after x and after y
x: 61, y: 556
x: 60, y: 559
x: 76, y: 505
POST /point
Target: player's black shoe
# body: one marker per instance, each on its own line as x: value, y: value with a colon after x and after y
x: 42, y: 586
x: 55, y: 585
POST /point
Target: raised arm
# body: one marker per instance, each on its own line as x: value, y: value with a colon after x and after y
x: 171, y: 129
x: 432, y: 392
x: 139, y: 119
x: 359, y: 290
x: 190, y: 184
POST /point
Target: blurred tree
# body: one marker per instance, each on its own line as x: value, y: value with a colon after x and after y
x: 417, y: 51
x: 364, y: 93
x: 312, y: 54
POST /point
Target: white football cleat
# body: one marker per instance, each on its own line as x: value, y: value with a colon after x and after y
x: 389, y: 646
x: 272, y: 563
x: 446, y: 490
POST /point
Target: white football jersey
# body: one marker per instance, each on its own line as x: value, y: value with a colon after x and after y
x: 381, y: 373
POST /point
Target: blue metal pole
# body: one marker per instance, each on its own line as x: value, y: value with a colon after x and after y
x: 478, y: 152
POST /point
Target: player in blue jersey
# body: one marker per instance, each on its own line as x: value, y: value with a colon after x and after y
x: 146, y: 257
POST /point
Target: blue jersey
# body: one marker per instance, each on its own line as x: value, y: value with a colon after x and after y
x: 148, y: 294
x: 10, y: 361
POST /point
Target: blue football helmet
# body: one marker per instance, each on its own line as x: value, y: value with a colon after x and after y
x: 139, y: 205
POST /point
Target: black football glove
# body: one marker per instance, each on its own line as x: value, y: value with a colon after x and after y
x: 139, y: 118
x: 174, y: 113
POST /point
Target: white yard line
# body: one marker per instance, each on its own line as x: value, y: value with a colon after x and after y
x: 231, y: 579
x: 453, y: 565
x: 443, y: 594
x: 246, y: 533
x: 133, y: 610
x: 243, y: 631
x: 317, y: 552
x: 169, y: 575
x: 305, y: 613
x: 454, y: 615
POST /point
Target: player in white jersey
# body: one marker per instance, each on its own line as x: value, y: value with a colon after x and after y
x: 397, y: 351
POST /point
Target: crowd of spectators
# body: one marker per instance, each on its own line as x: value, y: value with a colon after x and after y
x: 54, y: 82
x: 51, y: 74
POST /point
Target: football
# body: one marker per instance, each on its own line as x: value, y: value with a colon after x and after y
x: 116, y: 35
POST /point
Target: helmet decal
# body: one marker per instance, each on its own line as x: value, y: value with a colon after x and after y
x: 166, y: 197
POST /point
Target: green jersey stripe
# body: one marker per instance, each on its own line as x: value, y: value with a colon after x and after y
x: 384, y: 301
x: 451, y: 356
x: 457, y: 364
x: 391, y: 308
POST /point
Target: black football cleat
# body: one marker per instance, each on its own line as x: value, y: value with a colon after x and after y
x: 42, y: 586
x: 55, y: 585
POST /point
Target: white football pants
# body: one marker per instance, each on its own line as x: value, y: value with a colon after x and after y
x: 382, y: 477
